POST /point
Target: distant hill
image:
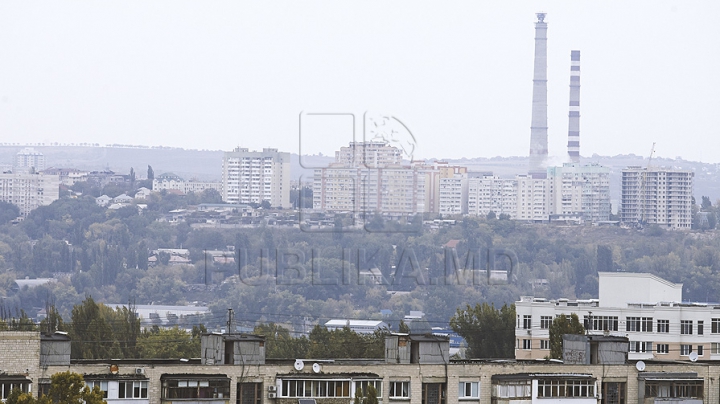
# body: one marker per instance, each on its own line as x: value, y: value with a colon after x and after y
x: 207, y: 164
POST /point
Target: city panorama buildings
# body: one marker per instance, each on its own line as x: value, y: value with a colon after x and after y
x: 660, y: 196
x: 416, y: 369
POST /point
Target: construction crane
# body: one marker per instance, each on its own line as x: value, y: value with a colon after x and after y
x: 643, y: 187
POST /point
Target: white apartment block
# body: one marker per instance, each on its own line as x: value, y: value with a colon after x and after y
x: 185, y: 186
x: 453, y: 194
x: 371, y: 154
x: 29, y: 160
x: 68, y: 176
x: 398, y: 190
x: 254, y: 177
x: 29, y: 191
x: 535, y: 202
x: 642, y: 307
x: 581, y: 190
x: 488, y: 193
x: 661, y: 196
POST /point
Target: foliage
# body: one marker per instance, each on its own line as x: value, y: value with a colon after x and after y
x: 16, y: 396
x: 8, y: 212
x: 560, y: 326
x: 490, y: 333
x: 168, y: 343
x: 70, y: 388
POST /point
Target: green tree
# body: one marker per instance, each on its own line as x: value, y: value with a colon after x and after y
x: 16, y: 396
x: 92, y: 337
x: 70, y: 388
x: 8, y: 212
x: 560, y: 326
x: 168, y: 343
x: 489, y: 332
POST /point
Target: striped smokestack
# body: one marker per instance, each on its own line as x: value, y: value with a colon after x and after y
x: 574, y: 116
x: 538, y: 127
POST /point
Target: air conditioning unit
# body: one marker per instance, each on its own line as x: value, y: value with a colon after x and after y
x: 272, y: 395
x: 272, y: 387
x: 139, y: 371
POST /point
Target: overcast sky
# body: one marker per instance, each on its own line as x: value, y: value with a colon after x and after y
x: 215, y: 75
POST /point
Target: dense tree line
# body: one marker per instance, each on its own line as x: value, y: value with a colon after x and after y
x: 296, y: 278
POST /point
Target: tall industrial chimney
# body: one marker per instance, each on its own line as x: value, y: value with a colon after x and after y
x: 538, y: 127
x: 574, y: 116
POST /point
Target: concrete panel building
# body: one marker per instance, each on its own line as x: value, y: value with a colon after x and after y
x: 29, y: 191
x: 660, y: 196
x: 253, y: 177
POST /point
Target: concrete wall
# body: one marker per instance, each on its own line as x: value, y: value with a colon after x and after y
x: 19, y: 352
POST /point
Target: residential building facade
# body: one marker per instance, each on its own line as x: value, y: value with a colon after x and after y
x: 646, y: 309
x: 660, y: 196
x: 253, y: 177
x: 29, y: 191
x: 582, y: 190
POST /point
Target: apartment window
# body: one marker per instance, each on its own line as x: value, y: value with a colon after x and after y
x: 646, y: 324
x: 191, y: 388
x: 133, y: 389
x: 700, y: 326
x: 715, y: 348
x: 674, y: 389
x: 700, y: 350
x: 315, y: 388
x: 527, y: 344
x: 516, y: 390
x: 601, y: 323
x: 362, y: 386
x: 566, y: 388
x: 686, y: 327
x: 715, y: 326
x: 685, y: 349
x: 663, y: 326
x: 632, y: 324
x: 400, y: 389
x: 613, y: 393
x: 545, y: 344
x: 469, y: 390
x: 663, y: 348
x: 641, y: 346
x: 7, y: 386
x: 527, y: 322
x: 102, y: 385
x: 545, y: 322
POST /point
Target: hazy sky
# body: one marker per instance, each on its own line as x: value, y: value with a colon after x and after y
x: 214, y: 75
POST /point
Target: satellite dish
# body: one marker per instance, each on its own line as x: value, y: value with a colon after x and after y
x: 693, y: 356
x: 316, y: 368
x: 299, y: 365
x: 640, y: 366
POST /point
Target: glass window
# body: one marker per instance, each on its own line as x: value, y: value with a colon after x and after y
x: 102, y: 385
x: 400, y: 389
x: 192, y: 388
x: 613, y: 393
x: 545, y: 322
x: 469, y: 390
x: 663, y: 348
x: 686, y: 327
x: 362, y: 385
x: 663, y: 326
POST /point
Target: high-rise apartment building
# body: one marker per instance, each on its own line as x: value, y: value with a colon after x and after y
x: 535, y: 202
x: 581, y: 191
x: 29, y: 191
x: 453, y: 194
x: 661, y: 196
x: 369, y: 177
x: 488, y: 193
x: 29, y: 160
x: 254, y: 177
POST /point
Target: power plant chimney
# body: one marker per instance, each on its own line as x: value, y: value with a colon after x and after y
x: 574, y: 116
x: 538, y: 127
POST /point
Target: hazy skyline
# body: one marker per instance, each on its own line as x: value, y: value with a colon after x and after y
x: 221, y: 74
